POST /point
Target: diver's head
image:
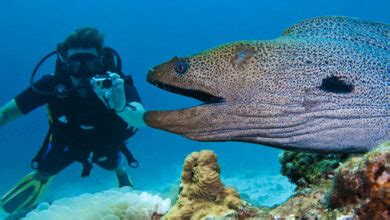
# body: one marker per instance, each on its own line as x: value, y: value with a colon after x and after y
x: 81, y: 54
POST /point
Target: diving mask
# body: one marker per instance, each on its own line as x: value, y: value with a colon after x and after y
x: 83, y: 65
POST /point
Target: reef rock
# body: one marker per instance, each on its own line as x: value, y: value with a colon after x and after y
x: 202, y: 194
x: 307, y: 203
x: 307, y: 169
x: 363, y: 184
x: 358, y: 189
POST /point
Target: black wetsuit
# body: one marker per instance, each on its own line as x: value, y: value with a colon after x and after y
x: 80, y: 129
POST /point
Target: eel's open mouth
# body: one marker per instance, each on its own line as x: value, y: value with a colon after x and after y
x: 204, y: 97
x: 184, y: 121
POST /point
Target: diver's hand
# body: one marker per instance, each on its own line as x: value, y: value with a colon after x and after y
x: 114, y: 98
x: 118, y: 98
x: 9, y: 112
x: 133, y: 115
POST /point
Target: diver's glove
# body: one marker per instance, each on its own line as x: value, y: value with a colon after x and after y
x: 133, y: 114
x: 114, y: 96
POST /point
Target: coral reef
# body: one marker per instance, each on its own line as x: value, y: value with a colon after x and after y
x: 360, y: 188
x: 114, y: 204
x: 305, y: 169
x: 363, y: 184
x: 202, y: 194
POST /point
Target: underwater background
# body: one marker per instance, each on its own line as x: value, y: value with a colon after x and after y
x: 147, y: 33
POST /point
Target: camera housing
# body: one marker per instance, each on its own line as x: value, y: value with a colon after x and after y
x: 102, y: 81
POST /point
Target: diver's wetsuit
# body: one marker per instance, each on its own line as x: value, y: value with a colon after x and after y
x: 81, y: 129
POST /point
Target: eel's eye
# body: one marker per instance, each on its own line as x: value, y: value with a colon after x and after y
x: 181, y: 67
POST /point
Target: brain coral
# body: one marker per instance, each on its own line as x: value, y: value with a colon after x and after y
x: 202, y: 193
x: 114, y: 204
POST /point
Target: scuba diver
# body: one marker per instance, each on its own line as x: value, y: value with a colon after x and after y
x: 93, y: 108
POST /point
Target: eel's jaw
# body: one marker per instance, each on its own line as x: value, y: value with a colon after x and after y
x: 185, y: 121
x: 189, y: 122
x: 285, y: 127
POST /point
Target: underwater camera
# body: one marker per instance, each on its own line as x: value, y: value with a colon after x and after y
x: 102, y: 81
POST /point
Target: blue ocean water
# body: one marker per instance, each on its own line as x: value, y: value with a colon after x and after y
x: 147, y: 33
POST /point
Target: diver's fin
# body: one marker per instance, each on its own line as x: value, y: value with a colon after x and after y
x: 20, y: 214
x: 26, y: 193
x: 124, y: 180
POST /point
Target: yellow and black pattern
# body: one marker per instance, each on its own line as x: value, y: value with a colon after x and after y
x: 26, y: 193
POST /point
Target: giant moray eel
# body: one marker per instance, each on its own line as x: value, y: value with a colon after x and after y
x: 322, y: 86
